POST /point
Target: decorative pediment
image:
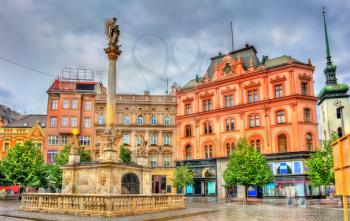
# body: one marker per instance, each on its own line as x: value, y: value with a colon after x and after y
x: 252, y: 84
x: 36, y: 131
x: 206, y: 94
x: 228, y: 90
x: 278, y: 79
x: 187, y: 99
x: 305, y: 76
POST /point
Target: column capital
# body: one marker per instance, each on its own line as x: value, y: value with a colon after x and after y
x: 113, y: 52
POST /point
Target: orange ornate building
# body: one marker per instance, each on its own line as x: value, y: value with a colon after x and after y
x: 27, y: 128
x: 271, y: 103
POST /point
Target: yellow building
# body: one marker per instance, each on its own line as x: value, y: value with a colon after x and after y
x: 29, y: 127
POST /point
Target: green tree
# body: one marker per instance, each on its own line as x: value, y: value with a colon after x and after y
x: 54, y: 171
x: 247, y: 166
x: 182, y: 177
x: 320, y: 165
x: 125, y: 154
x: 24, y: 165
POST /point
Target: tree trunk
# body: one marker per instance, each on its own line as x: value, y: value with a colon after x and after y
x: 246, y: 194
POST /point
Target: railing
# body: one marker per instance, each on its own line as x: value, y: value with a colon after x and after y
x: 105, y: 205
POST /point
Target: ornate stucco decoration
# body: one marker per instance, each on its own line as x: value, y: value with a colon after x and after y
x: 187, y: 99
x: 304, y: 76
x: 228, y: 90
x: 102, y: 179
x: 115, y: 180
x: 206, y: 94
x: 278, y: 79
x: 252, y: 84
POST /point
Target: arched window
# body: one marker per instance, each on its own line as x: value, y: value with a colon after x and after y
x: 140, y: 120
x: 340, y: 132
x: 307, y: 117
x: 282, y: 143
x: 230, y: 124
x: 208, y: 151
x: 258, y: 146
x: 126, y: 119
x: 309, y: 141
x: 153, y: 120
x: 101, y: 119
x: 280, y: 116
x: 230, y: 148
x: 188, y: 152
x: 166, y: 120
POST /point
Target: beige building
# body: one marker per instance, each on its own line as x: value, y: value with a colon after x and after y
x: 147, y: 125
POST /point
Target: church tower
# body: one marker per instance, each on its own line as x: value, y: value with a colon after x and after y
x: 333, y: 99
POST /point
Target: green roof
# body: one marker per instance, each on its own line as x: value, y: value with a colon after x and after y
x: 337, y: 89
x: 280, y: 61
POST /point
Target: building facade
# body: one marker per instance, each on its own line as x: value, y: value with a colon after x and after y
x: 147, y: 126
x: 271, y: 103
x: 71, y: 104
x: 27, y: 128
x: 333, y: 100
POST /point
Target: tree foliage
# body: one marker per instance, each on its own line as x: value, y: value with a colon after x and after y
x: 247, y: 166
x: 320, y: 165
x: 125, y: 154
x: 54, y: 171
x: 24, y: 165
x: 182, y: 177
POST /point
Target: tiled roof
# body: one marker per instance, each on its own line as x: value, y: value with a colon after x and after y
x: 280, y: 61
x: 28, y: 121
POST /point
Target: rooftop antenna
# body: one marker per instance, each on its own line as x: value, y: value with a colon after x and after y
x: 232, y: 37
x: 167, y: 86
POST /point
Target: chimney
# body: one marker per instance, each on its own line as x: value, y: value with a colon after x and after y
x: 146, y: 93
x: 173, y: 89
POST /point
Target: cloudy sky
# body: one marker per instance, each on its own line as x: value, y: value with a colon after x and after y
x: 160, y: 39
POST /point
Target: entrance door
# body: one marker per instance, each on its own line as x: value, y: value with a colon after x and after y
x: 210, y: 187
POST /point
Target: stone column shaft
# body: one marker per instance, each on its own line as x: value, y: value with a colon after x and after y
x: 111, y: 108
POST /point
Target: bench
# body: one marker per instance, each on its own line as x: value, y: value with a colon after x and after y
x: 253, y: 201
x: 329, y: 202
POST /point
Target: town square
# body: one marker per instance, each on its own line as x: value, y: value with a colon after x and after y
x: 174, y: 110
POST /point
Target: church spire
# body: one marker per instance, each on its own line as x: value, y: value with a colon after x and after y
x: 330, y: 70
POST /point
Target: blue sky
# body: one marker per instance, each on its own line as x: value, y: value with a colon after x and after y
x: 160, y: 39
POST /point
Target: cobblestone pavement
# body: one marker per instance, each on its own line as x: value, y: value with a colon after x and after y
x: 217, y: 211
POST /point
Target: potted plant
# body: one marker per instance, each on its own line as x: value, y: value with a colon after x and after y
x: 3, y: 194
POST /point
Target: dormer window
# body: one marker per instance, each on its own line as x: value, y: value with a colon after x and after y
x: 227, y: 69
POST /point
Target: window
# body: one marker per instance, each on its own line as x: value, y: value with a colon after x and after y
x: 75, y: 104
x: 53, y: 140
x: 138, y: 140
x: 88, y: 105
x: 64, y: 121
x: 253, y: 96
x: 101, y: 119
x: 188, y: 152
x: 166, y: 139
x: 230, y: 146
x: 281, y: 119
x: 309, y: 141
x: 340, y: 132
x: 53, y: 122
x: 126, y: 139
x: 304, y: 89
x: 64, y: 140
x: 153, y: 120
x: 51, y: 155
x: 230, y: 124
x: 153, y: 160
x: 87, y: 122
x: 74, y: 121
x: 39, y: 145
x: 188, y: 109
x: 258, y: 146
x: 166, y: 120
x: 297, y: 167
x: 282, y: 143
x: 85, y: 140
x: 207, y: 105
x: 127, y: 119
x: 188, y: 131
x: 207, y: 128
x: 54, y: 104
x: 208, y: 151
x: 229, y: 101
x: 166, y: 160
x: 278, y: 91
x: 307, y: 117
x: 6, y: 147
x: 254, y: 121
x: 339, y: 112
x: 153, y: 139
x: 140, y: 120
x: 65, y: 104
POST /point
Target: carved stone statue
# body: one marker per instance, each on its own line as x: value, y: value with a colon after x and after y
x: 112, y: 32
